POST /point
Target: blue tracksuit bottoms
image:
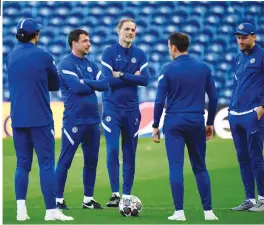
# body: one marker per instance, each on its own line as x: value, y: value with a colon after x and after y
x: 180, y: 129
x: 248, y: 136
x: 126, y: 123
x: 42, y: 140
x: 89, y: 138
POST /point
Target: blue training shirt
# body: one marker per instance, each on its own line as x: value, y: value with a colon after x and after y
x: 31, y: 75
x: 248, y: 90
x: 184, y: 83
x: 123, y: 91
x: 80, y: 78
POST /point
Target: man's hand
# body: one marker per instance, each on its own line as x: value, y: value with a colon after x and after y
x: 209, y: 132
x: 260, y: 112
x: 116, y: 74
x: 137, y: 73
x: 156, y: 135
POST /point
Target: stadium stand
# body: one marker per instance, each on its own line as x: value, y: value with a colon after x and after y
x: 209, y: 24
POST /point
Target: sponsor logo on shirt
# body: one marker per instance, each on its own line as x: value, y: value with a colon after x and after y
x: 89, y: 69
x: 133, y: 60
x: 74, y: 130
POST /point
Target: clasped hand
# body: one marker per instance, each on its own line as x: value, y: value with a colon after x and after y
x: 116, y: 74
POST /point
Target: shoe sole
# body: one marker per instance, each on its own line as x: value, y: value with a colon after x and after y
x: 22, y: 219
x: 86, y: 207
x: 112, y: 206
x: 91, y: 208
x: 255, y: 211
x: 49, y: 219
x: 239, y: 210
x: 177, y: 219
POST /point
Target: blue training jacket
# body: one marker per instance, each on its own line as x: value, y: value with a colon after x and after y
x: 31, y: 75
x: 80, y: 78
x: 184, y: 83
x: 248, y: 91
x: 123, y: 92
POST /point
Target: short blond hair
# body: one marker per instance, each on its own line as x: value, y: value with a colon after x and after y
x: 121, y: 23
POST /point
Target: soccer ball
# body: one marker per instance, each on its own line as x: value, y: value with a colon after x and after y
x: 130, y: 206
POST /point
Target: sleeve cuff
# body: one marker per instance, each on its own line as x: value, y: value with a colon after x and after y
x: 154, y: 125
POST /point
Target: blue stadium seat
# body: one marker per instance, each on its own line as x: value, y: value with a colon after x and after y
x: 196, y: 47
x: 8, y: 21
x: 8, y: 44
x: 205, y: 36
x: 161, y: 46
x: 218, y: 8
x: 12, y: 8
x: 74, y: 19
x: 155, y: 56
x: 211, y: 57
x: 6, y: 95
x: 226, y: 29
x: 132, y: 4
x: 224, y: 66
x: 128, y: 14
x: 230, y: 56
x: 198, y: 10
x: 195, y: 54
x: 151, y: 36
x: 47, y: 35
x: 26, y: 13
x: 145, y: 11
x: 98, y: 36
x: 209, y: 24
x: 232, y: 19
x: 212, y: 19
x: 158, y: 19
x: 57, y: 47
x: 192, y: 26
x: 170, y: 29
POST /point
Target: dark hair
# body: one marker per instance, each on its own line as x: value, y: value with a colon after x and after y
x: 121, y: 23
x: 74, y: 35
x: 24, y: 37
x: 180, y: 40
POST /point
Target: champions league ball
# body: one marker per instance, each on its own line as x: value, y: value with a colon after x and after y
x: 130, y: 206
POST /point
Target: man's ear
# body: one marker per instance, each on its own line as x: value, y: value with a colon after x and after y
x: 174, y: 48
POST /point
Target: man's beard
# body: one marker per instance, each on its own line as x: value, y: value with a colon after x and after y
x: 245, y: 47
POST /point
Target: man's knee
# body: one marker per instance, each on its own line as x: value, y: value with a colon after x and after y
x: 24, y: 163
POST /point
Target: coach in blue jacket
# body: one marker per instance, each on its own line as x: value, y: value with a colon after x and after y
x: 126, y: 68
x: 31, y: 75
x: 184, y: 83
x: 246, y: 116
x: 80, y: 78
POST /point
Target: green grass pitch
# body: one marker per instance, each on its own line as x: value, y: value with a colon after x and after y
x: 151, y: 186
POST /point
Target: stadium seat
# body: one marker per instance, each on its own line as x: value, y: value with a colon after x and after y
x: 209, y: 24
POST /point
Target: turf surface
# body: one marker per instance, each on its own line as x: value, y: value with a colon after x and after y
x: 151, y: 186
